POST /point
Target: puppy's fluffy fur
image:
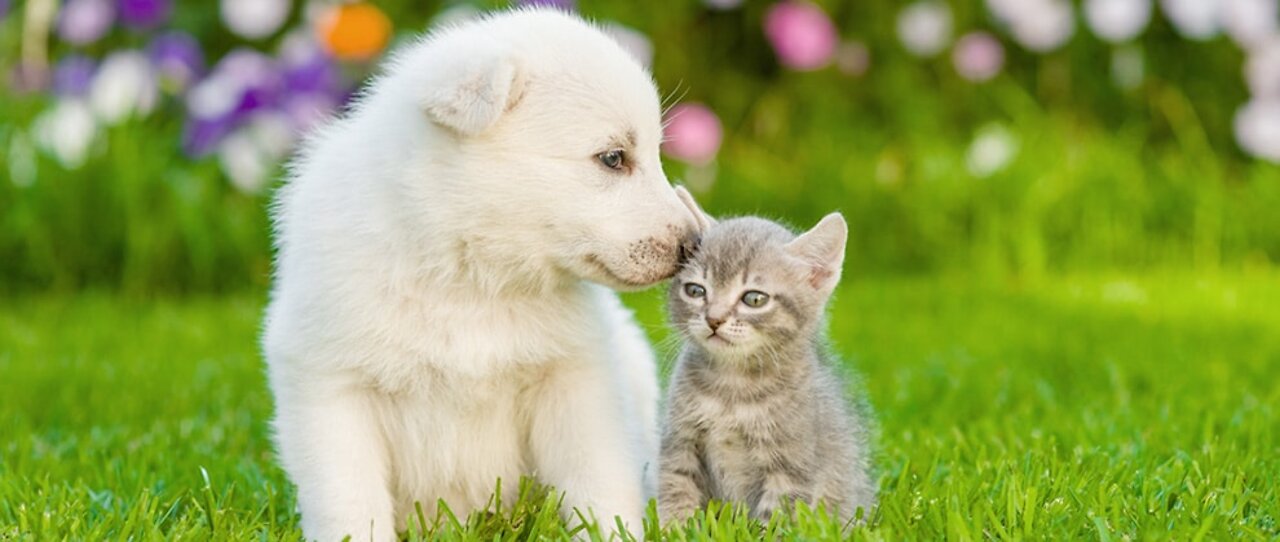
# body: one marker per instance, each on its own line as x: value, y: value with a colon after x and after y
x: 438, y: 320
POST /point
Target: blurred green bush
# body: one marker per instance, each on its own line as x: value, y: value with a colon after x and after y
x: 1102, y: 178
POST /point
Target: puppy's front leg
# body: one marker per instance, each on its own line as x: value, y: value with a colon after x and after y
x: 331, y: 445
x: 581, y: 446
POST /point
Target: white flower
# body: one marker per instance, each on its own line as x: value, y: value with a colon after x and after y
x: 1117, y: 20
x: 978, y: 56
x: 125, y: 85
x: 993, y: 148
x: 1127, y: 67
x: 632, y: 41
x: 1043, y: 25
x: 249, y: 155
x: 1262, y: 69
x: 925, y: 28
x: 254, y: 19
x: 66, y: 131
x: 1257, y: 127
x: 1249, y: 22
x: 1194, y: 19
x: 22, y: 160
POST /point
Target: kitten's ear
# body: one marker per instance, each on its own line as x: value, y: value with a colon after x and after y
x: 469, y: 93
x: 700, y: 217
x: 822, y: 249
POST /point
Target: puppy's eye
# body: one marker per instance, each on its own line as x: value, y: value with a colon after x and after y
x: 755, y: 299
x: 613, y: 159
x: 694, y: 290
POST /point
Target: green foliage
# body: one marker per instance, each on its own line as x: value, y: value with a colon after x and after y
x: 1086, y: 407
x: 1104, y: 178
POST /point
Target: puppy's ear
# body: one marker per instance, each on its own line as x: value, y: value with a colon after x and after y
x: 700, y: 217
x: 821, y: 249
x: 469, y: 93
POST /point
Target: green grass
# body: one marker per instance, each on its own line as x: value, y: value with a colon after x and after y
x: 1139, y: 407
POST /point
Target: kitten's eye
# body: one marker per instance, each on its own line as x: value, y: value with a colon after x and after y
x: 694, y: 290
x: 612, y: 159
x: 755, y: 299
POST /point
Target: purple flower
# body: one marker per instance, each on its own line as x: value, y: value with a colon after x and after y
x: 241, y: 83
x: 72, y: 76
x: 307, y: 68
x: 566, y: 5
x: 201, y: 136
x: 802, y: 35
x: 692, y: 133
x: 4, y: 8
x: 177, y: 59
x: 144, y: 13
x: 82, y: 22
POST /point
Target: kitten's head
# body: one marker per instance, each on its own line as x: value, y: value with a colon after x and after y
x: 752, y: 286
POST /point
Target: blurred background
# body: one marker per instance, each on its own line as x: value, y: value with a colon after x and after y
x: 140, y: 140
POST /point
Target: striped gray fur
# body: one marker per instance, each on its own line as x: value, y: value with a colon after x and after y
x: 756, y: 413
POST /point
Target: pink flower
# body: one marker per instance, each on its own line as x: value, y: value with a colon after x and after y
x: 802, y: 35
x: 692, y: 133
x: 978, y: 56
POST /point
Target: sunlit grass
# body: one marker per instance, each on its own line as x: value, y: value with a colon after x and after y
x: 1079, y: 407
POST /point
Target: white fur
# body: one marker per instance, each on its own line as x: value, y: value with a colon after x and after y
x: 438, y: 321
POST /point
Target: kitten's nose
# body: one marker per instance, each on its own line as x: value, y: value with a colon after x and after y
x: 714, y: 322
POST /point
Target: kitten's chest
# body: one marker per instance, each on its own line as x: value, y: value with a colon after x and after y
x: 738, y: 439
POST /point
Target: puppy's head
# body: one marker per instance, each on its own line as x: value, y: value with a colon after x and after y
x: 557, y: 129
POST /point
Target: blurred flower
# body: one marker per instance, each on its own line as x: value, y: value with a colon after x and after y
x: 1249, y: 22
x: 144, y: 13
x: 454, y: 14
x: 22, y: 157
x: 566, y: 5
x: 1127, y: 67
x: 306, y: 67
x: 240, y: 85
x: 925, y: 28
x: 307, y: 111
x: 1042, y: 25
x: 853, y: 58
x: 722, y: 4
x: 4, y: 8
x: 978, y: 56
x: 81, y: 22
x: 66, y: 131
x: 1257, y: 127
x: 633, y: 41
x: 802, y: 35
x: 1117, y: 20
x: 692, y: 133
x: 177, y: 59
x: 993, y: 148
x: 124, y: 86
x: 249, y: 155
x: 254, y: 19
x: 1194, y: 19
x: 1262, y: 69
x: 354, y: 31
x: 72, y: 76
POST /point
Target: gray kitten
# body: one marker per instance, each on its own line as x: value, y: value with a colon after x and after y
x: 756, y: 414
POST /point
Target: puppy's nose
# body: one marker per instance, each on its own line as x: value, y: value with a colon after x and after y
x: 715, y: 323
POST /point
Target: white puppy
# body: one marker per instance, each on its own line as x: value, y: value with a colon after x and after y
x: 438, y: 321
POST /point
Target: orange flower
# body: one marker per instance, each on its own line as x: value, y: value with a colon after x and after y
x: 354, y: 31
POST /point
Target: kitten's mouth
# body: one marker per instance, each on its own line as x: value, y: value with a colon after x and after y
x: 714, y: 337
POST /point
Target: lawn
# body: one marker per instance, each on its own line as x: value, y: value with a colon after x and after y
x: 1098, y: 407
